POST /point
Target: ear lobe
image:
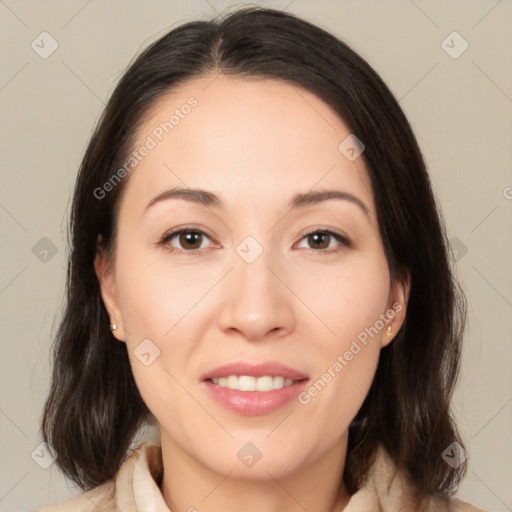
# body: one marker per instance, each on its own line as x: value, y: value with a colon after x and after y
x: 406, y: 288
x: 106, y: 281
x: 397, y: 307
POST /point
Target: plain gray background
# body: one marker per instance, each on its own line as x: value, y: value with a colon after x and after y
x: 460, y: 107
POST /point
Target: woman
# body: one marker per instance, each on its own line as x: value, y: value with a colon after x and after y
x: 258, y: 266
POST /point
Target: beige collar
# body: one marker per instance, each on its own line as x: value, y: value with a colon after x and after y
x: 136, y: 489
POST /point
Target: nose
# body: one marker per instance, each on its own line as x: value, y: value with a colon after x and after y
x: 255, y: 301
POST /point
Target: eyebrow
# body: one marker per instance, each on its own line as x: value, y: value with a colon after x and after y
x: 298, y: 201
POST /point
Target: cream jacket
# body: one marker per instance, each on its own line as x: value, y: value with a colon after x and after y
x: 135, y: 489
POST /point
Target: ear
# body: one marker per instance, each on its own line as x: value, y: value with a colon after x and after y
x: 105, y: 275
x: 397, y: 307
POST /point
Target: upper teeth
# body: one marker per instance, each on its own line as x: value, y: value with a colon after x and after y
x: 248, y: 383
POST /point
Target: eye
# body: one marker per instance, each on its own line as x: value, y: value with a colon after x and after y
x: 320, y: 241
x: 189, y: 240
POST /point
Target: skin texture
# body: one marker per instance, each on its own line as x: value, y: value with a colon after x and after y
x: 255, y: 143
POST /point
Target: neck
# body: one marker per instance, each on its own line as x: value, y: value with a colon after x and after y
x: 190, y: 485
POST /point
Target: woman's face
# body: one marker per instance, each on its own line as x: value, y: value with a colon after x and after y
x: 250, y: 285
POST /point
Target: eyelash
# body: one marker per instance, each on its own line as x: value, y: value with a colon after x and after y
x: 344, y: 241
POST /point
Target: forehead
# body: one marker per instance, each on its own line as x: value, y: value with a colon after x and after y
x: 248, y: 139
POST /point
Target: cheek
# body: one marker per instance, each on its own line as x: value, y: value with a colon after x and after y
x: 157, y: 304
x: 351, y: 303
x: 154, y: 296
x: 347, y: 298
x: 346, y: 368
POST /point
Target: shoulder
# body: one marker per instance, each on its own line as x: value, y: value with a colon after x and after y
x: 144, y: 465
x: 448, y: 505
x: 391, y: 489
x: 461, y: 506
x: 99, y: 498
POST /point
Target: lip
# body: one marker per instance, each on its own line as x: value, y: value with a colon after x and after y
x: 254, y: 370
x: 254, y: 403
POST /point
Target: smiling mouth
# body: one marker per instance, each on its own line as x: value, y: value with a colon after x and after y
x: 250, y: 383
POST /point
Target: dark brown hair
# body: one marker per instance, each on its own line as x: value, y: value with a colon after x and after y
x: 94, y: 408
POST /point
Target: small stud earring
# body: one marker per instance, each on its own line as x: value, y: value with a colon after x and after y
x: 113, y: 326
x: 388, y: 330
